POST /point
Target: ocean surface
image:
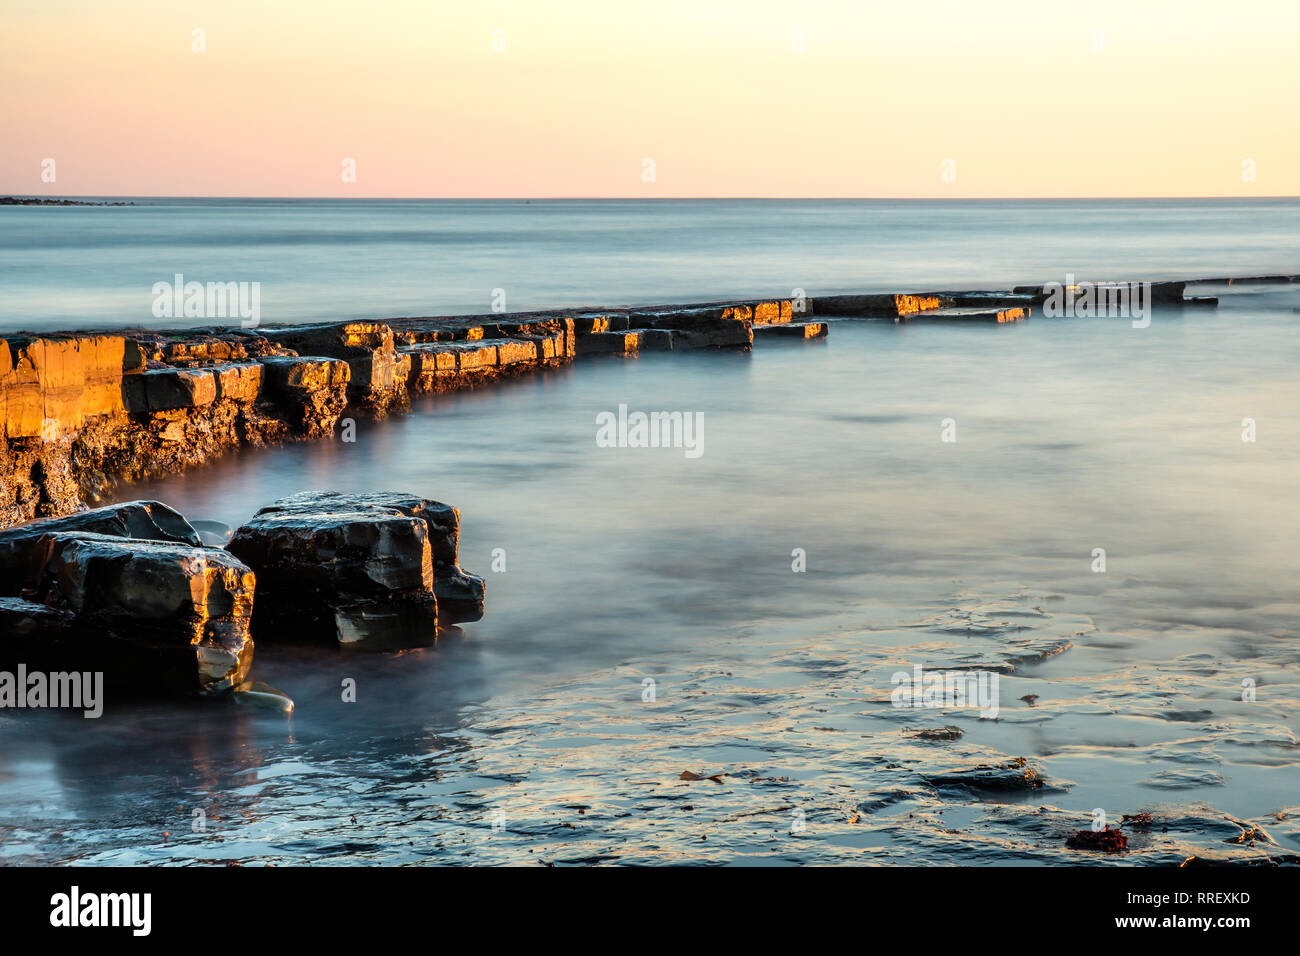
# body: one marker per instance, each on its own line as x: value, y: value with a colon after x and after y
x: 533, y: 737
x: 66, y: 267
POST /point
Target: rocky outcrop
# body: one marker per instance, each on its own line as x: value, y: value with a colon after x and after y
x: 887, y: 305
x: 79, y: 413
x: 155, y: 617
x: 993, y: 314
x: 368, y: 570
x: 793, y: 330
x: 132, y: 592
x: 311, y: 393
x: 141, y: 520
x: 377, y: 371
x: 452, y: 354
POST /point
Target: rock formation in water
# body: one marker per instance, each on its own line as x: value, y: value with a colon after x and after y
x: 367, y: 570
x: 128, y: 591
x: 131, y: 591
x: 82, y: 412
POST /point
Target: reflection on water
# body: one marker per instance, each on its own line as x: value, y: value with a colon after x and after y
x: 628, y: 564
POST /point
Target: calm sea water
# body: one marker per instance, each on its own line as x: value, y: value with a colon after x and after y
x: 624, y: 565
x: 64, y: 267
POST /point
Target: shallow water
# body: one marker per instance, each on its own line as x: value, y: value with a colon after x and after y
x: 628, y: 564
x: 79, y: 267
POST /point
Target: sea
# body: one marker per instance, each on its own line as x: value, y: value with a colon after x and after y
x: 697, y: 658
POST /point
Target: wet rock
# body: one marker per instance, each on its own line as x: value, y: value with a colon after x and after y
x: 796, y: 330
x: 263, y: 696
x: 157, y: 618
x: 141, y: 520
x: 887, y: 305
x: 357, y: 552
x: 213, y: 534
x: 722, y: 326
x: 1011, y: 776
x: 626, y: 342
x: 23, y: 622
x: 1105, y: 841
x: 442, y: 520
x: 995, y: 314
x: 938, y: 733
x: 395, y: 623
x: 656, y: 340
x: 460, y: 596
x: 363, y: 570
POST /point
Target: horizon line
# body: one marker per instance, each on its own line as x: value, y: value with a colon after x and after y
x: 74, y: 196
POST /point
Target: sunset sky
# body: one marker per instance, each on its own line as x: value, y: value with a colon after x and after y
x: 1027, y: 98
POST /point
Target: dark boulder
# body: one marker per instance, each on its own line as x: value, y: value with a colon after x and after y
x: 367, y: 570
x: 159, y: 618
x: 145, y: 520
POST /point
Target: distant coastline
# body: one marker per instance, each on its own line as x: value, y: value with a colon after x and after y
x: 17, y: 201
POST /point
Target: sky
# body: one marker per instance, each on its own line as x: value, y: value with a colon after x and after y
x: 656, y: 98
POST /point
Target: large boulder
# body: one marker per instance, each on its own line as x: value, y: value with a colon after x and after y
x: 442, y: 520
x: 145, y: 520
x: 365, y: 570
x: 155, y: 617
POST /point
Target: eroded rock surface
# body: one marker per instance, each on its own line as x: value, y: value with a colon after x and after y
x: 366, y: 570
x: 155, y: 617
x: 142, y: 520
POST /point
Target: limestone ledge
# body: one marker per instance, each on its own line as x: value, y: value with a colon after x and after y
x: 80, y: 413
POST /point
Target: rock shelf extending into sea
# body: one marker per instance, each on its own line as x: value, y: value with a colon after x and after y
x: 137, y: 593
x: 81, y: 413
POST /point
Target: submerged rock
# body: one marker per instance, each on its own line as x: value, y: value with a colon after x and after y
x: 1107, y: 840
x: 1014, y: 775
x: 214, y: 534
